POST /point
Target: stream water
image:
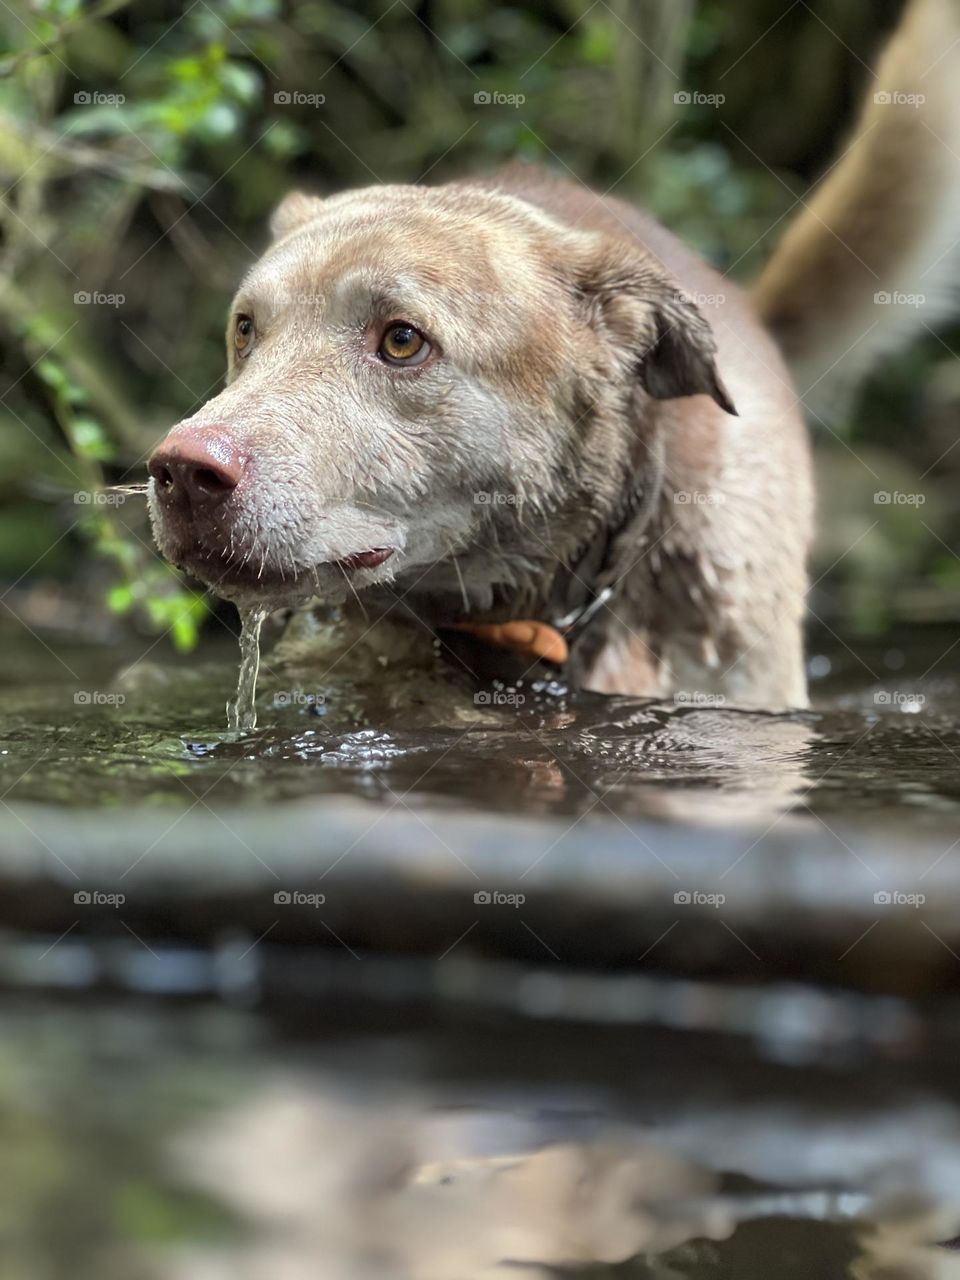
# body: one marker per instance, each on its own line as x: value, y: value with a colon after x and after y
x: 242, y: 710
x: 190, y: 1102
x: 92, y: 726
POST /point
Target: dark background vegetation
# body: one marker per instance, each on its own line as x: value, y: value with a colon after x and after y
x: 163, y: 200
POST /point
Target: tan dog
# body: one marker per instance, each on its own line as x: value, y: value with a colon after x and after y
x: 499, y: 401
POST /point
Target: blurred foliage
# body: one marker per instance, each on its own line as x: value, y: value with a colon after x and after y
x: 143, y: 146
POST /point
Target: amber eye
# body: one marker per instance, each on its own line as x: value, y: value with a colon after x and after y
x: 403, y: 344
x: 243, y: 335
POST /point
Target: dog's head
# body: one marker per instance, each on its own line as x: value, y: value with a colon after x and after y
x: 422, y: 384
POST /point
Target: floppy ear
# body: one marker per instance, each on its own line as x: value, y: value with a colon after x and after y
x: 670, y: 345
x: 681, y: 360
x: 293, y: 211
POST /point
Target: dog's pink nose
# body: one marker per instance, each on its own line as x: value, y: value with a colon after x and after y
x: 197, y: 465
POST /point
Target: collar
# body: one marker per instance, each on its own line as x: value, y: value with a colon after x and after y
x: 580, y: 591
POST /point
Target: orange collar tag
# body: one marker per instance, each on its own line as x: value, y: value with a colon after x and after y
x: 535, y: 640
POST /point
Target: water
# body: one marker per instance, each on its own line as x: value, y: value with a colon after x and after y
x: 99, y: 727
x: 242, y: 711
x: 261, y: 1012
x: 128, y: 490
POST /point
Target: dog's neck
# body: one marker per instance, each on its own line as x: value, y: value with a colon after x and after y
x: 540, y: 607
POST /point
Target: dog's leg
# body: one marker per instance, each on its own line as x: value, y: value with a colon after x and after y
x: 628, y: 663
x: 760, y: 670
x: 730, y: 636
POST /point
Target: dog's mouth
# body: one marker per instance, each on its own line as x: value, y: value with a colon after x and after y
x: 371, y: 559
x: 252, y: 575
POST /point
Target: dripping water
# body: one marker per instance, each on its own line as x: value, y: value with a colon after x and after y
x: 242, y: 711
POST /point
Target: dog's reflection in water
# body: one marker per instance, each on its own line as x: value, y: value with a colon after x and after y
x: 536, y: 745
x: 343, y: 1189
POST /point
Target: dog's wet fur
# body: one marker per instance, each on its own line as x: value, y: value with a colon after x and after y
x: 588, y: 380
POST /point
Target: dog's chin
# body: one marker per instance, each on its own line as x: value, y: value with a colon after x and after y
x: 278, y: 586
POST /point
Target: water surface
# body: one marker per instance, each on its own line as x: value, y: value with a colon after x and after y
x: 94, y: 727
x: 198, y: 1083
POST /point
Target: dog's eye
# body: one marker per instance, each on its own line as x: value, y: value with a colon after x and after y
x: 243, y: 335
x: 403, y: 344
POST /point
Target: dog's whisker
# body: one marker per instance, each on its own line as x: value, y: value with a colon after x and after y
x: 346, y: 578
x: 463, y: 586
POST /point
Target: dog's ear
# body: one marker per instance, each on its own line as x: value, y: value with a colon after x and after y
x: 658, y: 327
x: 293, y: 211
x: 681, y: 360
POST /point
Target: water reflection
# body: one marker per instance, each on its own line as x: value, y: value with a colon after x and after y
x: 391, y: 1104
x: 549, y: 753
x: 199, y: 1144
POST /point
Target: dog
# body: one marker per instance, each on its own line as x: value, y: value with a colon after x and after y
x: 494, y: 408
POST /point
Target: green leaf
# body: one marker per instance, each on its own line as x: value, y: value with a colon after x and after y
x: 90, y: 440
x: 120, y: 599
x: 51, y: 373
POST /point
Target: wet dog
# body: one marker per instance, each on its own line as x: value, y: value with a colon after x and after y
x: 510, y: 409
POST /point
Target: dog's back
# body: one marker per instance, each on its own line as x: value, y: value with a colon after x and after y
x: 713, y: 591
x: 871, y: 260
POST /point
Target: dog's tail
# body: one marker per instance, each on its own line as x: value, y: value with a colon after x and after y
x: 874, y: 255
